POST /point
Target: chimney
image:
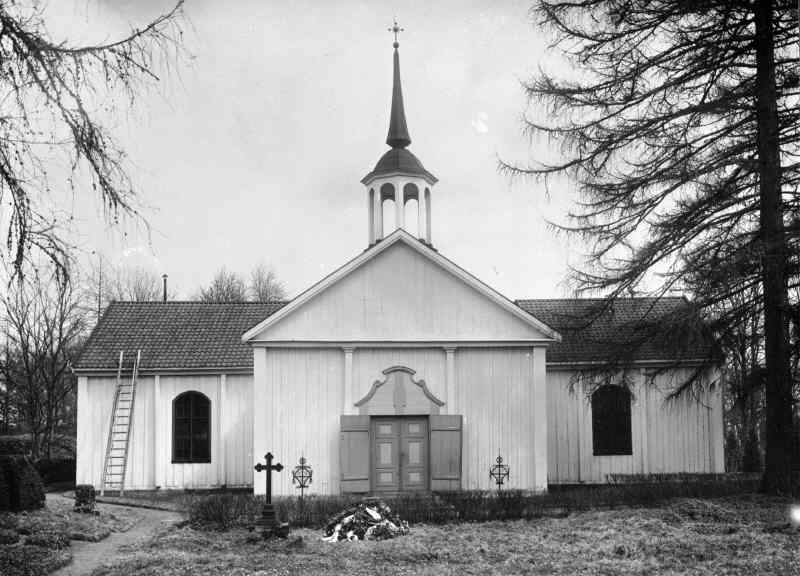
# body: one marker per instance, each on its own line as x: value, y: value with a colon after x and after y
x: 165, y: 287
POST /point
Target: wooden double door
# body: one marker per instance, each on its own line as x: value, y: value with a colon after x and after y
x: 399, y: 453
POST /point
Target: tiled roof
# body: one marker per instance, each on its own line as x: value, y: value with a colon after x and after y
x: 200, y: 335
x: 631, y: 329
x: 172, y: 335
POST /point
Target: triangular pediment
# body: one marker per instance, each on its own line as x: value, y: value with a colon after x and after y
x: 400, y: 291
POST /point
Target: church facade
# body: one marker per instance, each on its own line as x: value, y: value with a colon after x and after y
x: 400, y: 371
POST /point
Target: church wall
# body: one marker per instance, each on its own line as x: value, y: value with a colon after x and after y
x: 187, y: 475
x: 237, y: 426
x: 667, y: 437
x: 298, y: 399
x: 150, y: 450
x: 304, y: 395
x: 495, y: 390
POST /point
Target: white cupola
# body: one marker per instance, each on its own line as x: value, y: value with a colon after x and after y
x: 398, y: 176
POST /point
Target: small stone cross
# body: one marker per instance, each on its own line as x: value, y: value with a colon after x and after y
x: 269, y: 468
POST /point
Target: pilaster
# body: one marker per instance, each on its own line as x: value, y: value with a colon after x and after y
x: 399, y: 203
x: 539, y: 416
x: 260, y: 408
x: 222, y: 431
x: 450, y: 381
x: 158, y: 434
x: 348, y: 407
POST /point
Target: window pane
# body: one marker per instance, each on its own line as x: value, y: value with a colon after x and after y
x: 200, y: 406
x: 611, y: 421
x: 201, y: 445
x: 182, y: 407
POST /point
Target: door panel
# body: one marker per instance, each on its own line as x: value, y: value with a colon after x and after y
x: 385, y: 435
x: 414, y: 454
x: 400, y: 454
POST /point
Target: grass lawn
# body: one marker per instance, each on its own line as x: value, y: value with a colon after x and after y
x: 43, y: 536
x: 736, y: 535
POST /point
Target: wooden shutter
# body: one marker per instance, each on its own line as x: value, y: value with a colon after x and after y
x: 445, y: 452
x: 354, y: 453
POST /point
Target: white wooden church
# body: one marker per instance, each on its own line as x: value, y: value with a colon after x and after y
x: 400, y: 371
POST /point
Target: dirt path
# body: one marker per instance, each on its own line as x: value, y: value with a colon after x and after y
x: 86, y: 556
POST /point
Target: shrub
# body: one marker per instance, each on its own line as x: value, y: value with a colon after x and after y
x: 20, y: 484
x: 223, y: 511
x: 49, y: 540
x: 56, y: 470
x: 8, y: 536
x: 30, y: 560
x: 12, y: 445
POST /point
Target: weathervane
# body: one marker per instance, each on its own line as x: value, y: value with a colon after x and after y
x: 396, y: 29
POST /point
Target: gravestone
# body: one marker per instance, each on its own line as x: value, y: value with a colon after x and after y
x: 270, y: 527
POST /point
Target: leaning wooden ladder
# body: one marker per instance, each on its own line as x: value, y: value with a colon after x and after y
x: 119, y: 430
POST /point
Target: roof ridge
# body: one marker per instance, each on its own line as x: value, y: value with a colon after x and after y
x: 595, y: 299
x: 211, y: 303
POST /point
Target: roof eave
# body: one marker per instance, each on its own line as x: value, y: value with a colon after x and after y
x: 372, y: 176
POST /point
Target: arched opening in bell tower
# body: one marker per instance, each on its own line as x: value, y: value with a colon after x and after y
x: 411, y: 218
x: 388, y: 209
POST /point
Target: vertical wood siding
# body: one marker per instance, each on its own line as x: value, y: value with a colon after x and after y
x: 667, y: 437
x: 493, y: 393
x: 151, y: 435
x: 400, y: 295
x: 188, y: 475
x: 303, y: 398
x: 297, y: 405
x: 237, y: 432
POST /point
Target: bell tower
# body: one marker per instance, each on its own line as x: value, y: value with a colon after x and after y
x: 398, y: 176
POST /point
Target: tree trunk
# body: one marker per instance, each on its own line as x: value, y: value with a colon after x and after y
x: 778, y: 461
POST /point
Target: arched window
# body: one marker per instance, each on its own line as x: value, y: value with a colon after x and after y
x: 191, y: 428
x: 611, y: 421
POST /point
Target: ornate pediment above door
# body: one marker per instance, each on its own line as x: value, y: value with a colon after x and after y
x: 399, y: 393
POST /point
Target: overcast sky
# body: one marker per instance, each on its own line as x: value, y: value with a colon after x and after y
x: 254, y: 151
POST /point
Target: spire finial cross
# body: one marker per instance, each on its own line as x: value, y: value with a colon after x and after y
x: 396, y: 30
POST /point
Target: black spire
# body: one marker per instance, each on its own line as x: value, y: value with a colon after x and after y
x: 398, y: 130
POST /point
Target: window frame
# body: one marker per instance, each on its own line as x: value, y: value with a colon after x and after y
x: 604, y: 442
x: 192, y: 418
